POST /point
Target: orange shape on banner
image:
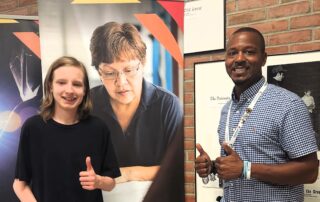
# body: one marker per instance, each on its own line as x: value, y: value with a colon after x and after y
x: 31, y: 40
x: 161, y: 32
x: 175, y: 9
x: 3, y: 21
x: 104, y: 1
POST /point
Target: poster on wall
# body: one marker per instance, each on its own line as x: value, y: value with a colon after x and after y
x: 299, y: 73
x: 20, y: 91
x: 208, y: 104
x: 204, y: 25
x: 65, y: 30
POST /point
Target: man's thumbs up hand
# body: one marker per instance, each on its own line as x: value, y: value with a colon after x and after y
x: 203, y: 162
x: 230, y: 166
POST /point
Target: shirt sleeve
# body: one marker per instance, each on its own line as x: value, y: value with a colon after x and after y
x: 173, y: 118
x: 297, y: 135
x: 23, y: 167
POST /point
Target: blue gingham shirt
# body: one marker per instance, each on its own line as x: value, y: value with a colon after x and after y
x: 278, y: 129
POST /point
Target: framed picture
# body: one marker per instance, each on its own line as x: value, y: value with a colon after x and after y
x: 204, y: 26
x: 299, y: 73
x: 210, y: 97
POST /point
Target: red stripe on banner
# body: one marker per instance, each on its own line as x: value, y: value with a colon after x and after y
x: 175, y: 9
x: 161, y: 32
x: 31, y: 40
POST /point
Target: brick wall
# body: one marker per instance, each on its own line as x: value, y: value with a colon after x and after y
x: 19, y: 7
x: 287, y: 25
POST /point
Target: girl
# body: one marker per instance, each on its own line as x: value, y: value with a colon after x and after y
x: 64, y: 153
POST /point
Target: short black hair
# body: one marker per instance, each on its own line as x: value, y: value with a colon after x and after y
x: 253, y: 30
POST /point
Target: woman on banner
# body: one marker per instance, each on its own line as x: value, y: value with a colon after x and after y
x: 65, y: 154
x: 143, y: 118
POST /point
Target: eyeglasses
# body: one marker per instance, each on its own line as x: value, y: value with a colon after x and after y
x: 129, y: 72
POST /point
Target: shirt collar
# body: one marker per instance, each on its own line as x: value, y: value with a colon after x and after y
x: 148, y: 93
x: 251, y: 91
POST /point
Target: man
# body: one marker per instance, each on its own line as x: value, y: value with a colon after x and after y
x: 268, y: 144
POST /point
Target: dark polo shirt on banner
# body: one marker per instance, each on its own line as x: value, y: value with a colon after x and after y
x: 152, y: 128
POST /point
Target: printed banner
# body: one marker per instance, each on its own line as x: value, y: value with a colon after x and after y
x: 20, y: 91
x: 67, y: 27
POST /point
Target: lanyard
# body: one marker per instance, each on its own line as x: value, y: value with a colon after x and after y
x: 243, y: 118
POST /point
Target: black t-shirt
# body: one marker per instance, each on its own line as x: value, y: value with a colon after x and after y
x: 51, y: 156
x: 152, y: 128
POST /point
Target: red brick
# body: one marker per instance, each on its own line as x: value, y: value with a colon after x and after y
x: 33, y: 10
x: 189, y: 133
x: 189, y: 109
x: 305, y: 47
x: 277, y: 50
x: 188, y: 74
x: 190, y: 60
x: 188, y: 121
x: 317, y: 34
x: 27, y: 2
x: 190, y: 155
x: 8, y: 5
x: 188, y: 145
x: 18, y: 11
x: 249, y: 4
x: 189, y: 166
x: 189, y: 177
x: 230, y: 6
x: 217, y: 57
x: 189, y: 86
x: 290, y: 37
x: 266, y: 39
x: 286, y: 1
x: 305, y: 21
x: 189, y: 188
x: 289, y: 9
x: 188, y: 97
x: 230, y: 31
x: 316, y: 5
x: 247, y: 17
x: 190, y: 198
x: 271, y: 26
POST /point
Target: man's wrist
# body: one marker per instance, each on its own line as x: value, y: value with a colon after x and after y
x: 246, y: 172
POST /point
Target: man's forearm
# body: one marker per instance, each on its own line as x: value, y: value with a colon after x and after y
x: 301, y: 171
